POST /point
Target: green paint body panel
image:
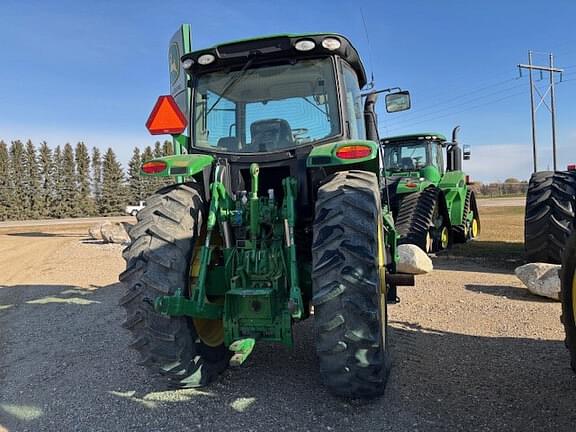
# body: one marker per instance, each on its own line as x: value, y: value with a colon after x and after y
x: 185, y: 165
x: 453, y: 184
x: 410, y: 137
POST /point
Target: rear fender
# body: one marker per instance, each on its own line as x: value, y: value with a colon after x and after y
x: 325, y: 156
x: 185, y: 165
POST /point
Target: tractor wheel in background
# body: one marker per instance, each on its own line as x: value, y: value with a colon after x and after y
x: 157, y: 264
x: 423, y: 220
x: 550, y: 212
x: 349, y: 294
x: 568, y: 296
x: 469, y: 229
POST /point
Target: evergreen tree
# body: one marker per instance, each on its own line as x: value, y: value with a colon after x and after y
x: 86, y: 205
x: 113, y: 199
x: 46, y: 169
x: 18, y: 174
x: 69, y: 200
x: 136, y: 182
x: 32, y: 181
x: 56, y: 208
x: 167, y: 148
x: 6, y: 184
x: 158, y: 151
x: 97, y: 177
x: 151, y: 184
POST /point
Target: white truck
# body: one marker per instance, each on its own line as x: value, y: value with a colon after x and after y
x: 133, y: 210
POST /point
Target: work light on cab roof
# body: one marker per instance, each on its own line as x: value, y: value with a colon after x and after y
x: 166, y: 117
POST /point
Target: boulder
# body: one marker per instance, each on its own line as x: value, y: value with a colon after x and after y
x: 413, y: 260
x: 541, y: 279
x: 95, y: 231
x: 114, y: 232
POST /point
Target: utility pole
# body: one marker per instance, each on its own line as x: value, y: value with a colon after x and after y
x: 533, y: 108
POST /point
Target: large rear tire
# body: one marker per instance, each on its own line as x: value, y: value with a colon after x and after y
x: 348, y: 285
x: 568, y: 296
x: 550, y: 212
x: 157, y: 264
x: 423, y: 220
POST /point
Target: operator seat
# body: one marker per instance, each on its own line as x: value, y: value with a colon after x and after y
x: 407, y: 164
x: 271, y: 134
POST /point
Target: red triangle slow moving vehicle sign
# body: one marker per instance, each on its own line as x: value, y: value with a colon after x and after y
x: 166, y: 117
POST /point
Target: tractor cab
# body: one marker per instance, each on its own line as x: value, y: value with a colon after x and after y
x: 414, y: 156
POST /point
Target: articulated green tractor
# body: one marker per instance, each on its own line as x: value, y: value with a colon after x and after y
x: 432, y: 205
x: 276, y: 209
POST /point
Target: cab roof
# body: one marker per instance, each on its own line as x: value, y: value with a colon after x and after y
x: 416, y: 136
x: 276, y: 47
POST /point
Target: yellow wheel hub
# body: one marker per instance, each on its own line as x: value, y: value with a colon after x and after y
x: 428, y: 242
x: 444, y: 238
x: 474, y: 228
x: 382, y: 273
x: 574, y: 296
x: 211, y: 332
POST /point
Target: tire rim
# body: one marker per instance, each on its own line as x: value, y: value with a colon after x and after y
x: 210, y: 332
x: 474, y: 228
x: 382, y: 289
x: 574, y: 297
x: 444, y: 238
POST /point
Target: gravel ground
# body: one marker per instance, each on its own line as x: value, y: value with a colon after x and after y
x: 472, y: 350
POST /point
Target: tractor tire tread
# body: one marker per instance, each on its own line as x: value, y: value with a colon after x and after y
x: 345, y: 278
x: 157, y: 264
x: 549, y: 215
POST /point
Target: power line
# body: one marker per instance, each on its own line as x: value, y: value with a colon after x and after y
x: 462, y: 95
x: 461, y: 111
x: 451, y: 107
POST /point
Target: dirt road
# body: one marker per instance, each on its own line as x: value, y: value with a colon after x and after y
x: 472, y: 350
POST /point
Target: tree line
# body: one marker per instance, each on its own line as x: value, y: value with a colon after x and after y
x: 40, y: 182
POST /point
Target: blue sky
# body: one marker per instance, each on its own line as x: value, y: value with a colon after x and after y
x: 92, y: 70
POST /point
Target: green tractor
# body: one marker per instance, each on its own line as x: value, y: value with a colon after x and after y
x: 276, y: 210
x: 431, y: 204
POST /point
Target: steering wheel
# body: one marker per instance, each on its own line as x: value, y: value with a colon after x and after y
x: 298, y: 133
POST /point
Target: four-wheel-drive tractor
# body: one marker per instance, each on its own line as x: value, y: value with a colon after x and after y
x: 568, y: 295
x: 276, y: 209
x: 550, y: 214
x: 431, y: 203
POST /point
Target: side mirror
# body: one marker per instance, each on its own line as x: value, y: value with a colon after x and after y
x: 399, y: 101
x: 466, y: 152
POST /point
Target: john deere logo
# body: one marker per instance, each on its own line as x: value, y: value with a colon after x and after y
x: 174, y: 60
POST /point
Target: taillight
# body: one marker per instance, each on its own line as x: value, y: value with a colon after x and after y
x: 571, y: 167
x: 353, y: 152
x: 154, y: 167
x: 411, y: 184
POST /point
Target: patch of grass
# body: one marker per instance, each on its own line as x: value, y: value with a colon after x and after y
x: 501, y: 240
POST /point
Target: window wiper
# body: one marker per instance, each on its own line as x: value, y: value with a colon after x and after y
x: 317, y: 107
x: 231, y: 82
